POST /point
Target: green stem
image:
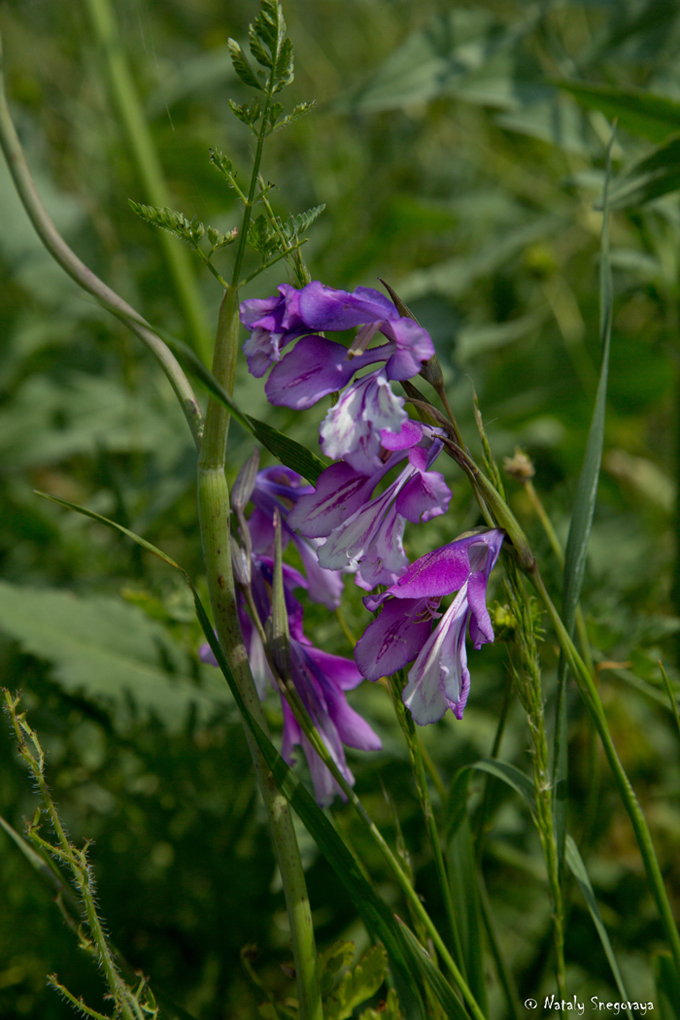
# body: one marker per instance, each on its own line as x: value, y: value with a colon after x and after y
x: 82, y: 275
x: 149, y: 168
x: 418, y: 769
x: 480, y: 823
x: 591, y: 698
x: 213, y: 500
x: 250, y: 200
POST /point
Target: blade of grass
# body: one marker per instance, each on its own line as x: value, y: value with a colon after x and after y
x: 522, y: 785
x: 124, y: 93
x: 671, y: 696
x: 81, y: 274
x: 578, y: 870
x: 581, y: 523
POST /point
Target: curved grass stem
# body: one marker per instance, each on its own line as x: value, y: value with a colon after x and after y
x: 82, y: 275
x: 124, y: 93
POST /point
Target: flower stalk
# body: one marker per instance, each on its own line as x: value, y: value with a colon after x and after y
x: 213, y: 501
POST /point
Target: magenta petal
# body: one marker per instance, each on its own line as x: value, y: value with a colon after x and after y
x: 384, y: 558
x: 340, y: 671
x: 205, y: 654
x: 394, y: 638
x: 414, y: 346
x: 438, y: 573
x: 424, y: 496
x: 481, y: 631
x: 352, y: 729
x: 340, y: 492
x: 256, y: 309
x: 314, y: 368
x: 323, y: 586
x: 411, y: 432
x: 292, y: 733
x: 439, y: 677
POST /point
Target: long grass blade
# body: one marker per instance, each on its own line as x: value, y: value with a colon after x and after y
x: 581, y: 523
x: 578, y: 870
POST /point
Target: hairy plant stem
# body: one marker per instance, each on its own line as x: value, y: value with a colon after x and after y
x: 494, y: 507
x: 527, y: 675
x: 131, y: 113
x: 76, y: 860
x: 83, y: 276
x: 213, y: 503
x: 591, y: 697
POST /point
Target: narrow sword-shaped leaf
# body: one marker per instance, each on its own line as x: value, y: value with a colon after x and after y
x: 578, y: 870
x: 581, y: 523
x: 640, y: 112
x: 285, y: 449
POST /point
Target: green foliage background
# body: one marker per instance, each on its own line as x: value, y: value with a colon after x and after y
x: 453, y: 166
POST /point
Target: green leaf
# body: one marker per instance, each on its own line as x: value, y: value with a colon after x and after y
x: 581, y: 524
x: 224, y: 165
x: 288, y: 451
x: 108, y: 651
x: 578, y: 870
x: 667, y: 987
x: 242, y: 66
x: 218, y: 239
x: 284, y: 70
x: 503, y: 770
x: 389, y: 1010
x: 249, y: 113
x: 331, y: 961
x: 264, y: 238
x: 467, y: 909
x: 522, y: 784
x: 190, y: 231
x: 357, y: 985
x: 300, y: 224
x: 653, y: 177
x: 296, y: 113
x: 285, y: 449
x: 464, y: 52
x: 642, y: 113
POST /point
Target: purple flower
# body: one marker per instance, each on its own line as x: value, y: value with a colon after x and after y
x: 366, y: 534
x: 273, y: 322
x: 281, y: 487
x: 318, y: 366
x: 439, y: 678
x: 320, y: 678
x: 351, y: 429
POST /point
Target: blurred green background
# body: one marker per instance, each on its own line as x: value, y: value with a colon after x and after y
x: 454, y: 166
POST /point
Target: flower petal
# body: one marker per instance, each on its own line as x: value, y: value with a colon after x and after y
x: 325, y: 308
x: 395, y: 637
x: 439, y: 678
x: 314, y: 368
x: 352, y: 428
x: 340, y: 492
